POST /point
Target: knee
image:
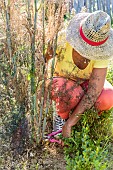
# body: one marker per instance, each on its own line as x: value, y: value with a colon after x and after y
x: 105, y: 100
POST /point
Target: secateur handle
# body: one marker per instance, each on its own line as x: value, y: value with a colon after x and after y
x: 51, y: 137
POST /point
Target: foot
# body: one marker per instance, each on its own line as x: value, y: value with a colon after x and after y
x: 58, y: 123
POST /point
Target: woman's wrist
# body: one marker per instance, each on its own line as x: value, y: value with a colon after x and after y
x: 74, y: 118
x: 69, y: 123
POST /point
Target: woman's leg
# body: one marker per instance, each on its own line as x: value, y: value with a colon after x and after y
x: 105, y: 100
x: 66, y: 94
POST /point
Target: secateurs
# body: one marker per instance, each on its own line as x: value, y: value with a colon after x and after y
x: 51, y: 137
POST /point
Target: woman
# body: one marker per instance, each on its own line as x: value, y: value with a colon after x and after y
x: 80, y: 68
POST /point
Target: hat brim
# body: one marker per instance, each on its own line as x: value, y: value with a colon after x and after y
x: 101, y: 52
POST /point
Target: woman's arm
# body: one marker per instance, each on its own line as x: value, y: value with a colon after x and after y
x: 95, y: 87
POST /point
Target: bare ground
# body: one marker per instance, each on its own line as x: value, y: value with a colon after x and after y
x: 48, y: 157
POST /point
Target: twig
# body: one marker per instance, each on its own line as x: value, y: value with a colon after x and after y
x: 8, y: 30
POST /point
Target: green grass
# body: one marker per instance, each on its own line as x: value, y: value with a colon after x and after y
x: 90, y: 145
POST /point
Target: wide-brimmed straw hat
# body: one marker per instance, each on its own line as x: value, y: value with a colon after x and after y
x: 91, y: 35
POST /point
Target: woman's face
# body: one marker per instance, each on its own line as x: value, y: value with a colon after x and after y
x: 79, y: 60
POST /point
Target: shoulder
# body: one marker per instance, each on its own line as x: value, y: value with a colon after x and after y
x: 100, y: 63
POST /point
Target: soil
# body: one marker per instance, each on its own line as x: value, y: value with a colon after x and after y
x: 47, y: 157
x: 51, y: 158
x: 21, y: 153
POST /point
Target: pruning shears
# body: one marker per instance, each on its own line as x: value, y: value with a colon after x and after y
x: 51, y: 137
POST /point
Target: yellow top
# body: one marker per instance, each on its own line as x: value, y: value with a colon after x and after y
x: 64, y: 65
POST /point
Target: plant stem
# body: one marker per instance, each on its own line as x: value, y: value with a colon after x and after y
x: 33, y: 82
x: 8, y: 29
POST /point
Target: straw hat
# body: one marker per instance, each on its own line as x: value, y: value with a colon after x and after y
x: 91, y: 35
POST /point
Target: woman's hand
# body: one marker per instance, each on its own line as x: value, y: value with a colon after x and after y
x: 49, y: 53
x: 66, y: 130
